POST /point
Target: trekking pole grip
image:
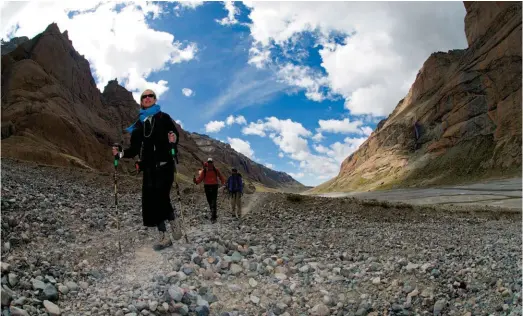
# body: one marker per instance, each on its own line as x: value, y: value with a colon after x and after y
x: 117, y: 156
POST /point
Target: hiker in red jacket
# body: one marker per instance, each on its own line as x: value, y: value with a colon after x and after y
x: 210, y: 176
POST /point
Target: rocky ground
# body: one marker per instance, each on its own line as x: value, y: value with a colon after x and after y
x: 289, y: 255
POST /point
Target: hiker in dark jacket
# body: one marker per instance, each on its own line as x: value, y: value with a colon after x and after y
x: 235, y: 188
x: 210, y: 176
x: 152, y: 137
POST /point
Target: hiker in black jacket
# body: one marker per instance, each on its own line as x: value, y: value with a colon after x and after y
x: 152, y: 137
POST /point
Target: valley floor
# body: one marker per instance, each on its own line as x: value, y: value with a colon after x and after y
x: 504, y: 193
x: 289, y: 255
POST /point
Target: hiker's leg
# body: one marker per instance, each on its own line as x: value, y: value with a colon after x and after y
x: 208, y: 195
x: 161, y: 227
x: 233, y: 205
x: 164, y: 176
x: 214, y: 198
x: 239, y: 204
x: 149, y: 204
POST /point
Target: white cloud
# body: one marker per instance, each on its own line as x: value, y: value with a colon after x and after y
x: 187, y: 92
x: 344, y: 126
x: 281, y: 155
x: 240, y: 119
x: 241, y: 146
x: 269, y: 165
x: 232, y: 11
x: 118, y: 44
x: 193, y: 4
x: 305, y: 78
x: 179, y: 123
x: 214, y: 126
x: 259, y: 57
x: 318, y: 137
x: 366, y: 130
x: 370, y: 51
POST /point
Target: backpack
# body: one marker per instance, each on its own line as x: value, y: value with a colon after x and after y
x: 215, y: 172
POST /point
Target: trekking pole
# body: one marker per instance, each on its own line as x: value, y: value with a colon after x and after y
x: 116, y: 198
x: 182, y: 220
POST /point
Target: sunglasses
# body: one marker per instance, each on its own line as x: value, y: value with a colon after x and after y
x: 148, y: 95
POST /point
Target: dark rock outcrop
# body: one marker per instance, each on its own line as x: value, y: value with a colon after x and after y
x: 468, y: 107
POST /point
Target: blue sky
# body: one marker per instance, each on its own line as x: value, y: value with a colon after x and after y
x: 297, y: 86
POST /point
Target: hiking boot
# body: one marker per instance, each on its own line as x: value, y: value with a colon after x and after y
x: 176, y: 229
x: 164, y: 242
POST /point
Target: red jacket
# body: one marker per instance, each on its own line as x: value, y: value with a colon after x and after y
x: 210, y: 176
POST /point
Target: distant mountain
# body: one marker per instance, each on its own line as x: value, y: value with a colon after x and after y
x: 467, y: 104
x: 53, y: 113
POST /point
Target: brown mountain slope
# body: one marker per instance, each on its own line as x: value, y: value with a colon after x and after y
x: 468, y: 106
x: 53, y: 113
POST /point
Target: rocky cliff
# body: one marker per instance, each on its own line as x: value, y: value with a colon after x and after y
x: 461, y: 119
x: 53, y: 113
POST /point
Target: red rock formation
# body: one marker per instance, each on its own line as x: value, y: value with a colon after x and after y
x: 468, y: 105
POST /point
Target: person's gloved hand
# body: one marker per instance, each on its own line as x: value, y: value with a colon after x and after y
x: 116, y: 151
x: 172, y: 137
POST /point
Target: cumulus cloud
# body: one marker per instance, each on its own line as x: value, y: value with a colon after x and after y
x: 370, y: 51
x: 269, y: 165
x: 114, y: 36
x: 179, y: 123
x: 241, y: 146
x: 344, y: 126
x: 187, y: 92
x: 232, y: 12
x: 318, y: 137
x: 240, y: 119
x: 214, y: 126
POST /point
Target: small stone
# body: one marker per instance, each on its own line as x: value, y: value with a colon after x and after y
x: 6, y: 298
x: 50, y: 292
x: 176, y: 293
x: 376, y: 280
x: 255, y: 299
x: 202, y: 311
x: 5, y: 267
x: 304, y: 269
x: 72, y: 286
x: 38, y: 285
x: 63, y: 289
x: 15, y: 311
x: 236, y: 269
x: 253, y: 282
x: 51, y: 308
x: 13, y: 279
x: 153, y: 306
x: 320, y: 310
x: 280, y: 276
x: 411, y: 266
x: 438, y: 307
x: 181, y: 309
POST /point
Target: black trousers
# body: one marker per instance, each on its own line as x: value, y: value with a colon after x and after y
x: 211, y: 192
x: 156, y: 199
